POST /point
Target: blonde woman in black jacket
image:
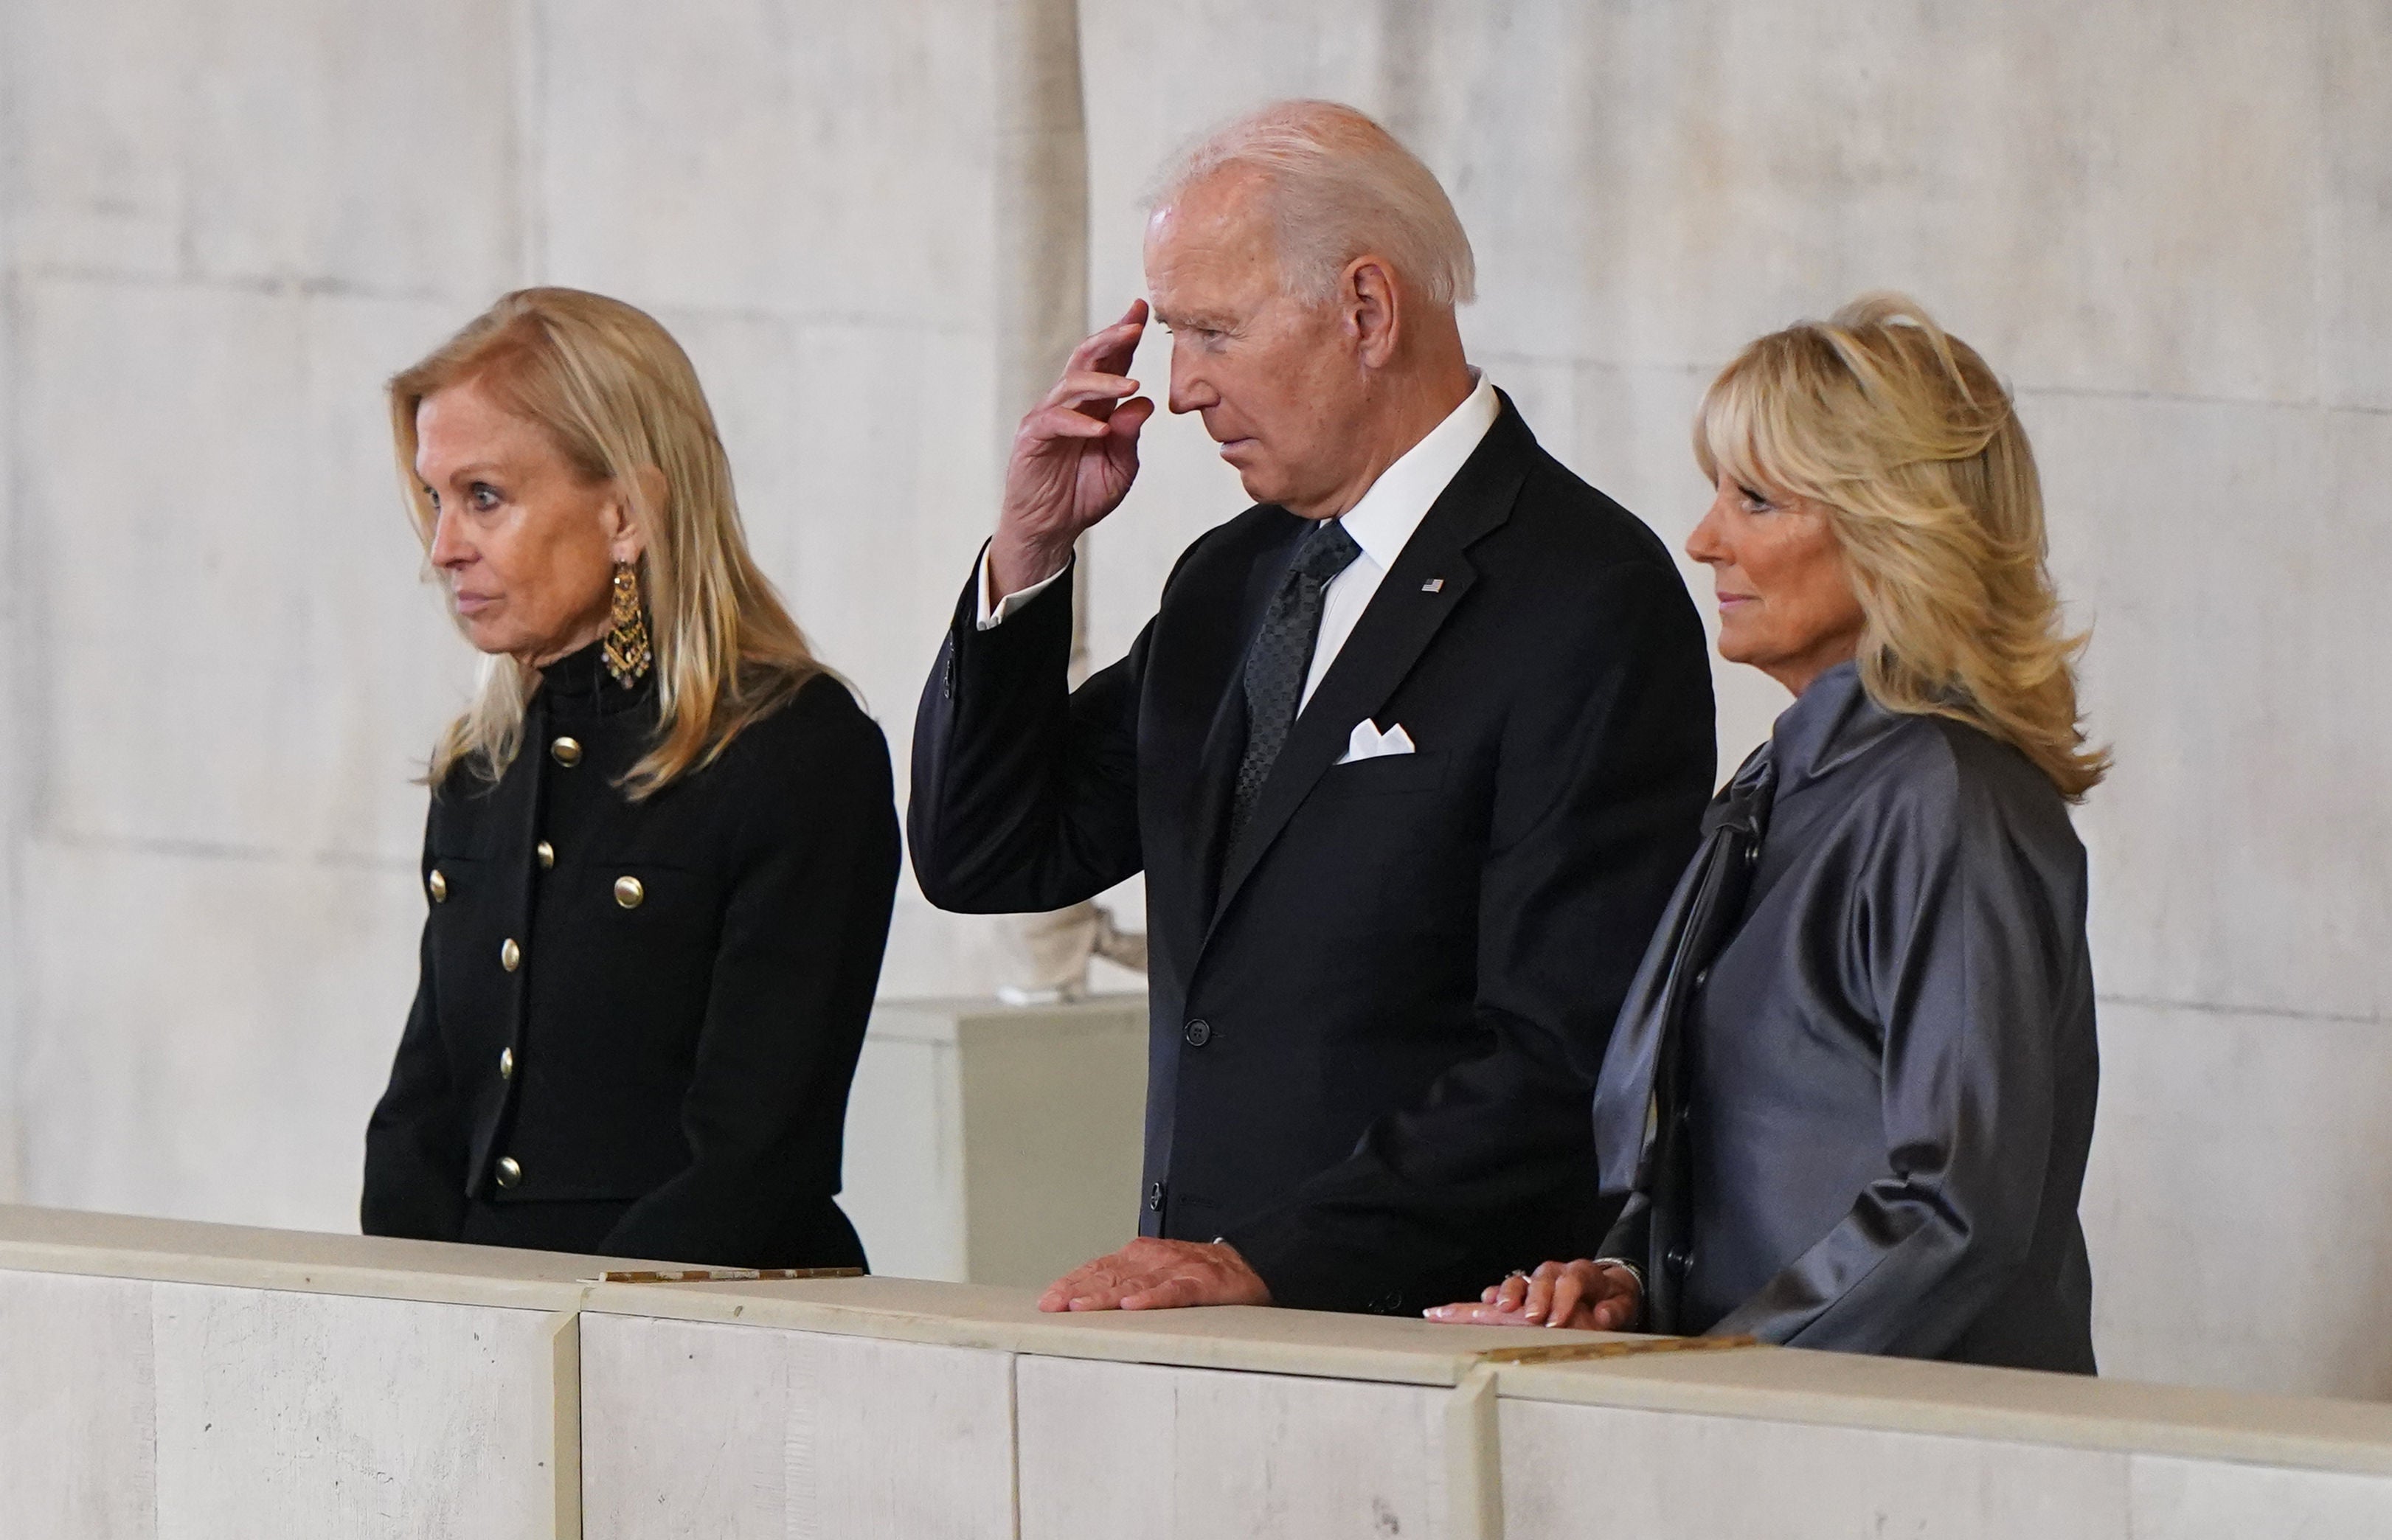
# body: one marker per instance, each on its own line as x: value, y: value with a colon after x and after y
x: 662, y: 847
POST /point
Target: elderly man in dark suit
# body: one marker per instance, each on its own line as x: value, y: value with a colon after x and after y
x: 1410, y: 754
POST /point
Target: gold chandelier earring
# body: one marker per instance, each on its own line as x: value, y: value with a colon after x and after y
x: 627, y: 651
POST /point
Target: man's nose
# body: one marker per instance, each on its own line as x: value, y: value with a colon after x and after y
x: 1190, y: 391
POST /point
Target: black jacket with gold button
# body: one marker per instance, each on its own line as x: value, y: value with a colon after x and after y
x: 636, y: 1021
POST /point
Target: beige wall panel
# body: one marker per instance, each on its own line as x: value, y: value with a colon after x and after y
x: 720, y: 1432
x: 210, y: 1031
x: 78, y: 1407
x: 1600, y: 1470
x: 328, y: 1417
x: 267, y: 140
x: 1170, y: 1454
x: 2225, y: 1137
x: 2357, y: 101
x: 2224, y: 556
x: 799, y: 159
x: 242, y: 653
x: 95, y: 123
x: 351, y: 147
x: 1645, y: 185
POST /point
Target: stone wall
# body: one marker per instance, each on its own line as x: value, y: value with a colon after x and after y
x: 222, y: 224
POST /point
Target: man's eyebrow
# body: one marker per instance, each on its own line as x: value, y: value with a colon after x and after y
x: 1198, y: 322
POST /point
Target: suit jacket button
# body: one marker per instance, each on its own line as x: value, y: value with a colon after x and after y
x: 629, y: 893
x: 547, y: 855
x: 509, y: 955
x: 506, y: 1064
x: 509, y: 1172
x: 1154, y: 1197
x: 438, y: 885
x: 568, y: 752
x: 1677, y: 1259
x: 1198, y: 1033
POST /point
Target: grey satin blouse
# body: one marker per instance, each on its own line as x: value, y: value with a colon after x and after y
x: 1867, y: 1130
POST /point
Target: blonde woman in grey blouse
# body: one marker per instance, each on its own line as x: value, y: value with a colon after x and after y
x: 1848, y: 1101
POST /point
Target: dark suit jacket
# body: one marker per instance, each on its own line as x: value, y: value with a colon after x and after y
x: 1374, y: 1024
x: 667, y: 1078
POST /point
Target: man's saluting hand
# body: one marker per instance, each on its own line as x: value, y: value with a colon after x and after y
x: 1073, y: 458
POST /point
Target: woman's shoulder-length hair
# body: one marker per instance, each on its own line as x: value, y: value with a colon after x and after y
x: 617, y: 395
x: 1901, y: 433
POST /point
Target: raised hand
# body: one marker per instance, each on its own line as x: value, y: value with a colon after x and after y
x: 1584, y: 1296
x: 1074, y: 457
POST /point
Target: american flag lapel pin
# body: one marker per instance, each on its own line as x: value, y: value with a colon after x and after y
x: 1433, y: 584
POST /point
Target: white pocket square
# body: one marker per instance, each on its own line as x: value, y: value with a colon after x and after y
x: 1369, y: 742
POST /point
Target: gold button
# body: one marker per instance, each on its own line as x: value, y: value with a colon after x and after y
x: 440, y: 886
x: 509, y: 1172
x: 547, y: 855
x: 629, y: 893
x: 506, y: 1064
x: 568, y: 752
x: 509, y: 955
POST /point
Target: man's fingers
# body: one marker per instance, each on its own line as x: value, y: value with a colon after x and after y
x: 1049, y: 423
x: 1130, y: 415
x: 1119, y: 338
x: 1078, y: 387
x: 1173, y: 1291
x: 1149, y: 1289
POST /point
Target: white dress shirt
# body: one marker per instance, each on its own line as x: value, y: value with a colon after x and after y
x: 1379, y: 523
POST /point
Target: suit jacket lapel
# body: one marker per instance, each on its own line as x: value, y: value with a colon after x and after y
x: 1397, y: 626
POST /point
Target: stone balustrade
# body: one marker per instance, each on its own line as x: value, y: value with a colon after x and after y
x: 170, y: 1378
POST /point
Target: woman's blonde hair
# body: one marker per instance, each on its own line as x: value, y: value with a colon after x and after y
x: 617, y: 396
x: 1903, y: 436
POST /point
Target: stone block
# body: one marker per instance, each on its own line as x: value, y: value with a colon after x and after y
x: 808, y: 159
x: 702, y: 1430
x: 1574, y: 1470
x: 2225, y: 1136
x: 241, y: 651
x: 1179, y: 1454
x: 78, y: 1423
x: 2221, y: 1500
x: 354, y: 148
x: 2356, y: 96
x: 206, y: 1033
x: 322, y: 1415
x: 2221, y: 555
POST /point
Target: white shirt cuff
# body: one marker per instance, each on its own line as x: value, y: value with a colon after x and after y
x: 992, y: 617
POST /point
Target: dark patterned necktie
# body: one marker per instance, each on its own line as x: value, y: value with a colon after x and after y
x: 1281, y: 657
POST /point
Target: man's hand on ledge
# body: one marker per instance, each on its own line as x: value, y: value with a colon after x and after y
x: 1582, y: 1296
x: 1159, y: 1275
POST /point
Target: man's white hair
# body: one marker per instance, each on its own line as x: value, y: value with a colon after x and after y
x: 1338, y: 186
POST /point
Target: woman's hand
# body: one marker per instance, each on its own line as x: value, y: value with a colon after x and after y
x: 1582, y: 1296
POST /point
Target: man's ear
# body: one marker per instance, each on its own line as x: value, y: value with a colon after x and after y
x: 629, y: 538
x: 1374, y: 308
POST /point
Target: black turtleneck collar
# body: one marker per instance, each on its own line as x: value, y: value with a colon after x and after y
x: 578, y: 685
